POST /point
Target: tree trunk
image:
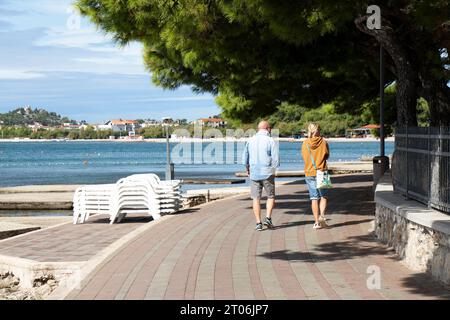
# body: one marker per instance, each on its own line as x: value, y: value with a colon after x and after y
x: 406, y: 95
x: 405, y: 69
x: 437, y: 95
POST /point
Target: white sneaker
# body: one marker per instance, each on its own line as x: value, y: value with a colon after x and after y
x: 317, y: 226
x: 323, y: 222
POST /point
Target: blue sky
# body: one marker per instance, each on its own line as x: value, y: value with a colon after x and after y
x: 53, y: 59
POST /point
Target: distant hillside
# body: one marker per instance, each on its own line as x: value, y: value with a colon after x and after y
x: 27, y: 115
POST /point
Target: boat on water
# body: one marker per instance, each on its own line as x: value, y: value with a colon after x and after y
x: 132, y: 139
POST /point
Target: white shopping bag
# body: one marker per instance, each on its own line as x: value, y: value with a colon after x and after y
x: 323, y: 180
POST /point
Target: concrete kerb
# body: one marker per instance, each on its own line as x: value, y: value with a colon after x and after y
x: 215, y: 194
x: 28, y: 270
x: 51, y: 205
x: 8, y: 230
x: 33, y: 232
x: 410, y: 209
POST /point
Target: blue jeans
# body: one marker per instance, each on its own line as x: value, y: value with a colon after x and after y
x: 314, y: 193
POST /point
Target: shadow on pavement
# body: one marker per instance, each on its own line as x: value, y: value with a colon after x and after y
x: 356, y: 198
x: 140, y: 218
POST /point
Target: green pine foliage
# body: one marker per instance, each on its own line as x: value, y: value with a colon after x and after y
x: 256, y: 54
x: 291, y: 120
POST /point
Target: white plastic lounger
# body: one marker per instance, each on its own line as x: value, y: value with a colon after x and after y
x: 92, y: 199
x: 137, y: 193
x: 157, y: 182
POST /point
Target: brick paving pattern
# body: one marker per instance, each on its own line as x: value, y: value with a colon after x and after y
x: 70, y: 243
x: 212, y: 252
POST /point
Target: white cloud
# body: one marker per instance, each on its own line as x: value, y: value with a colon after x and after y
x: 132, y: 49
x: 100, y: 54
x: 104, y: 61
x: 55, y: 7
x: 19, y: 74
x: 46, y: 28
x: 82, y: 38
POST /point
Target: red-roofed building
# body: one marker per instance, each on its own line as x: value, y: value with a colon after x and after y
x: 120, y: 125
x: 212, y: 122
x: 125, y: 122
x: 363, y: 132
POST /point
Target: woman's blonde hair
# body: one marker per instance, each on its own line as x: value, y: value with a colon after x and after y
x: 313, y: 129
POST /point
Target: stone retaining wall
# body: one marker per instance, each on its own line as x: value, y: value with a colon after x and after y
x: 419, y: 235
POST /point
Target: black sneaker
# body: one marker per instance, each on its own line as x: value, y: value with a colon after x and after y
x: 259, y: 227
x: 268, y: 223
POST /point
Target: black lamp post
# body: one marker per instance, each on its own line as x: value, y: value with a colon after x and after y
x: 169, y: 165
x: 381, y: 162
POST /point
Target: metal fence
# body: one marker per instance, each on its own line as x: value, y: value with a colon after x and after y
x: 421, y: 165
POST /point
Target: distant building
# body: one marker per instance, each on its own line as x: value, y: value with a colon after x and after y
x: 35, y: 126
x: 70, y: 126
x: 150, y: 123
x: 133, y: 137
x: 363, y: 132
x: 165, y: 121
x: 38, y: 126
x: 168, y: 121
x: 181, y: 122
x: 119, y: 126
x: 212, y: 122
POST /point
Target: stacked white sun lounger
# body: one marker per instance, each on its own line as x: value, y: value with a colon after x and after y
x: 142, y: 193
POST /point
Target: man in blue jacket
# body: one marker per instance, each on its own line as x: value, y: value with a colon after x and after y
x: 261, y: 159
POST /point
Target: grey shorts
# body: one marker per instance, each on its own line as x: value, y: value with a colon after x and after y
x: 268, y: 185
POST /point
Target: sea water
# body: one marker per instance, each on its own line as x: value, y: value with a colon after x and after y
x: 90, y: 162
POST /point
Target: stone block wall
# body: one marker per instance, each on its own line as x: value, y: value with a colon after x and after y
x: 422, y: 249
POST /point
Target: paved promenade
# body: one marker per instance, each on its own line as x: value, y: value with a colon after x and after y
x: 212, y: 252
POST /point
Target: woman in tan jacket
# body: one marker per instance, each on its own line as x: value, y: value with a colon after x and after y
x: 315, y: 147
